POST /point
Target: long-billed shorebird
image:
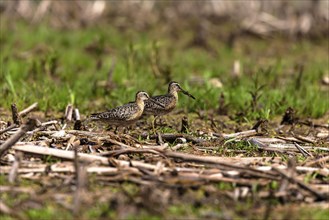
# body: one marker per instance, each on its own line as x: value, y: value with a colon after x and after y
x: 169, y: 101
x: 126, y: 114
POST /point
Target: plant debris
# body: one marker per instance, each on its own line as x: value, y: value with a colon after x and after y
x: 163, y: 165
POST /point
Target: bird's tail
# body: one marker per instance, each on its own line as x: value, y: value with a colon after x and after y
x: 94, y: 116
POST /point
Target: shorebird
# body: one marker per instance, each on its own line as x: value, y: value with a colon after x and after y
x: 127, y: 114
x: 168, y: 100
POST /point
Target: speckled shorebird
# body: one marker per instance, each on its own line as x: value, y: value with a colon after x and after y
x: 168, y: 100
x: 126, y: 114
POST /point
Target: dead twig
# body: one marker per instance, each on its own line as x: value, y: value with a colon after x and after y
x: 43, y: 126
x: 238, y: 134
x: 318, y: 161
x: 301, y: 169
x: 49, y: 123
x: 305, y: 139
x: 218, y: 178
x: 24, y: 112
x: 114, y: 142
x: 28, y: 190
x: 9, y: 128
x: 30, y: 125
x: 116, y: 153
x: 77, y: 114
x: 93, y: 135
x: 80, y: 181
x: 77, y: 123
x: 302, y: 150
x: 9, y: 211
x: 318, y: 195
x: 311, y: 124
x: 267, y: 140
x: 5, y: 209
x: 69, y: 112
x: 61, y: 168
x: 159, y: 139
x: 14, y: 169
x: 15, y: 115
x: 217, y: 161
x: 70, y: 143
x: 292, y: 139
x: 172, y: 137
x: 69, y: 155
x: 280, y: 147
x: 290, y: 173
x: 178, y: 146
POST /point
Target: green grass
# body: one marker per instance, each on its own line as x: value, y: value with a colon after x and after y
x: 52, y: 66
x: 48, y: 212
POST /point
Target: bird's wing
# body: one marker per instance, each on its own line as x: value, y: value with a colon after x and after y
x: 163, y: 99
x: 118, y: 113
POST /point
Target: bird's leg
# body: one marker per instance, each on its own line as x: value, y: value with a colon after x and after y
x: 154, y: 123
x: 108, y: 128
x: 126, y: 129
x: 165, y: 121
x: 116, y: 129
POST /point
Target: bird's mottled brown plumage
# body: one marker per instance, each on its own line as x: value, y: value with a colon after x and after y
x: 168, y: 100
x: 125, y: 114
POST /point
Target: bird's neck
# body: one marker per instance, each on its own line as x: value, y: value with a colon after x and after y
x: 174, y: 94
x: 140, y: 103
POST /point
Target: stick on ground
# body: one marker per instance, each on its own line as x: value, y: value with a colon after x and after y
x: 28, y: 109
x: 14, y: 169
x: 29, y: 126
x: 15, y: 115
x: 317, y: 194
x: 9, y: 128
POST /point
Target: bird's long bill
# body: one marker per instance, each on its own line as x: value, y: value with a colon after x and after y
x: 187, y: 93
x: 157, y: 103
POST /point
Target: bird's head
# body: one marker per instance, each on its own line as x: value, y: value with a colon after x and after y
x: 175, y: 87
x: 141, y: 95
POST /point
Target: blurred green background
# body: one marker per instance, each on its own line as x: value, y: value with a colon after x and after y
x: 254, y: 64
